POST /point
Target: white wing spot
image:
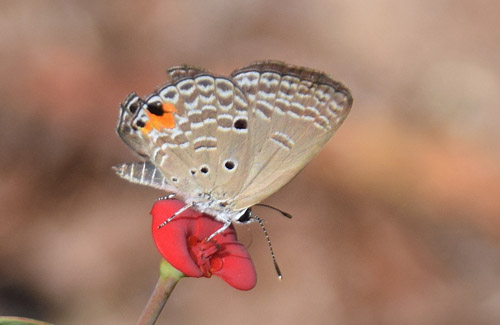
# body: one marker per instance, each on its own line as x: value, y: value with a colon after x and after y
x: 283, y: 140
x: 205, y: 84
x: 192, y: 105
x: 223, y: 88
x: 186, y: 87
x: 207, y: 99
x: 205, y: 143
x: 169, y: 94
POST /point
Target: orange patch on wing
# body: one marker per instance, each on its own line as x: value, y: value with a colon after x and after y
x: 160, y: 122
x: 166, y: 121
x: 169, y: 108
x: 147, y: 128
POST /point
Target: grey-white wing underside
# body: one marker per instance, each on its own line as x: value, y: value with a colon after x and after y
x: 293, y: 112
x: 180, y: 72
x: 269, y: 118
x: 143, y: 173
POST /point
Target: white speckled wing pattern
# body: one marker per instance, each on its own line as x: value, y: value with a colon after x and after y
x: 226, y: 143
x: 294, y: 112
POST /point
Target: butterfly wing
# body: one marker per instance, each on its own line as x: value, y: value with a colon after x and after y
x: 193, y: 130
x: 179, y: 72
x: 129, y: 135
x: 238, y: 139
x: 293, y: 112
x: 143, y: 173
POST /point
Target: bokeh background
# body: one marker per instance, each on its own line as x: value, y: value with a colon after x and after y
x: 396, y: 221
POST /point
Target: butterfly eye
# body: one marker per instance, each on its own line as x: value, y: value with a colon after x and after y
x: 246, y: 217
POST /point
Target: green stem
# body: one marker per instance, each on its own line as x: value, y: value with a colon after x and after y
x: 169, y: 276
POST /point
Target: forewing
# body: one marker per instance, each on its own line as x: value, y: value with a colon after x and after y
x: 293, y: 112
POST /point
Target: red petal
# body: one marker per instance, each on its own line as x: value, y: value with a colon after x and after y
x: 231, y: 261
x: 171, y: 240
x: 238, y: 269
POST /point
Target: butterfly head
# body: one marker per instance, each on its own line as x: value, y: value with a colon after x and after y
x: 246, y: 217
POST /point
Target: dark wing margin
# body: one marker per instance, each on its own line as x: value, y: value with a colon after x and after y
x: 184, y: 71
x: 314, y: 76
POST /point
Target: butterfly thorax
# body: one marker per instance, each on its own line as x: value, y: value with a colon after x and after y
x: 221, y: 210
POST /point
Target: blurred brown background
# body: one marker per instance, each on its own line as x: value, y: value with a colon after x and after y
x: 397, y: 221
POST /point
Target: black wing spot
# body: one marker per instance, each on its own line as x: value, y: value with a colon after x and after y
x: 240, y: 124
x: 229, y: 164
x: 204, y: 170
x: 155, y: 108
x: 133, y: 107
x: 140, y: 123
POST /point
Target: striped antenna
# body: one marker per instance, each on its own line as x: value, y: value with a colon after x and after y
x: 261, y: 223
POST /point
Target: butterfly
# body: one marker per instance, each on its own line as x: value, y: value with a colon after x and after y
x: 223, y: 144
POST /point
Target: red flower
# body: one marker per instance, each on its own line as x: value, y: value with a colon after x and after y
x: 182, y: 242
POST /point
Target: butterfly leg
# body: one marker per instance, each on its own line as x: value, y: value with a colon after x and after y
x: 184, y: 208
x: 166, y: 197
x: 220, y: 230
